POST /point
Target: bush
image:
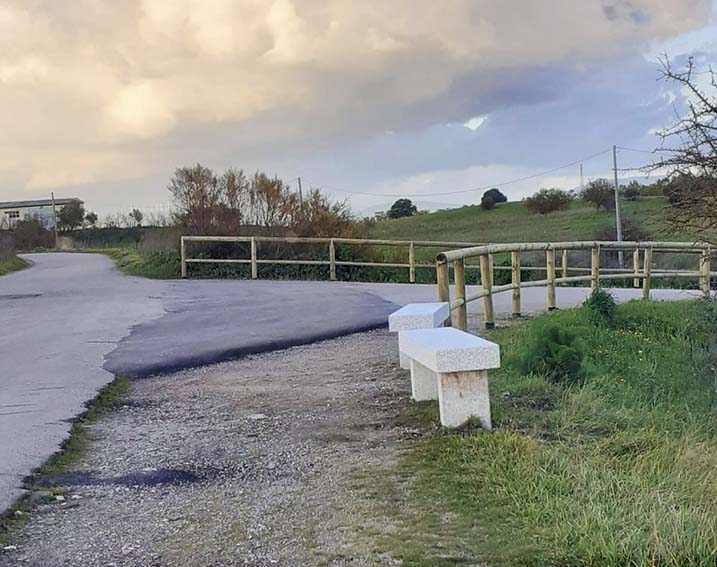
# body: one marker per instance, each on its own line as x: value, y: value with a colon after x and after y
x: 632, y: 192
x: 547, y: 201
x: 600, y: 194
x: 631, y: 231
x: 496, y: 195
x: 601, y: 306
x: 556, y: 354
x: 31, y: 233
x: 7, y: 247
x: 487, y: 203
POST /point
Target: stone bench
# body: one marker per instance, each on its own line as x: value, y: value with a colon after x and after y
x: 416, y: 316
x: 452, y: 366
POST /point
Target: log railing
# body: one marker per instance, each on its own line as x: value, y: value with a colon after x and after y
x: 456, y: 259
x: 254, y: 260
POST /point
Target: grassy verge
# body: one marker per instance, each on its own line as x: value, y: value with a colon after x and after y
x: 71, y: 451
x: 155, y: 265
x: 615, y: 469
x: 12, y: 265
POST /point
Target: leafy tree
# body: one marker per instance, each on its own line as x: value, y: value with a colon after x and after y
x: 402, y: 208
x: 599, y: 193
x: 137, y: 216
x: 547, y: 201
x: 487, y: 202
x: 71, y: 216
x: 91, y: 219
x: 496, y: 195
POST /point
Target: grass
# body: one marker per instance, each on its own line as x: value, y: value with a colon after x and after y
x: 618, y: 469
x: 13, y: 265
x: 511, y: 222
x: 155, y: 265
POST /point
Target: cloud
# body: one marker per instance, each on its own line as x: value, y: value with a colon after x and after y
x: 123, y: 89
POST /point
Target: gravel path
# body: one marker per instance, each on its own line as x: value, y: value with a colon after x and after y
x: 261, y: 461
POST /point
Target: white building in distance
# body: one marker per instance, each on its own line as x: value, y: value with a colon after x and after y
x: 41, y: 209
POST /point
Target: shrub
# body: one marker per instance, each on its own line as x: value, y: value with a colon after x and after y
x: 547, y: 201
x: 487, y: 203
x: 599, y: 193
x: 632, y: 191
x: 601, y: 306
x: 557, y: 354
x: 7, y: 247
x: 31, y: 233
x: 496, y: 195
x: 631, y: 231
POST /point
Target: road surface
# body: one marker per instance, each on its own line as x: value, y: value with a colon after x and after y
x: 72, y: 322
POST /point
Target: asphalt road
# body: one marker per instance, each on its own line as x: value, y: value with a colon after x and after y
x: 72, y: 322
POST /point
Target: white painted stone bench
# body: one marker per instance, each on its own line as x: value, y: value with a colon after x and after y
x: 416, y: 316
x: 452, y: 366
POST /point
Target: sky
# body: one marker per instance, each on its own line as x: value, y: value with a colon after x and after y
x: 368, y: 101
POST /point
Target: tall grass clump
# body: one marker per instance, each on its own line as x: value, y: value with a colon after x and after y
x: 617, y: 468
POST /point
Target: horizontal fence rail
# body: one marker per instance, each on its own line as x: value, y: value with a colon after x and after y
x: 641, y: 273
x: 410, y: 245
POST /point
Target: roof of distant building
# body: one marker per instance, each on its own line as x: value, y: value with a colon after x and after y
x: 37, y: 203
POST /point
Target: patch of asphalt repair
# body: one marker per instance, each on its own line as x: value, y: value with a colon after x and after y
x: 268, y: 452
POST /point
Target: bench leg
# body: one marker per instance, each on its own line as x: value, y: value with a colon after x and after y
x: 462, y: 396
x: 424, y: 382
x: 404, y: 360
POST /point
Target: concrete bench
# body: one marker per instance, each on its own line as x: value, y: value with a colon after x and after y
x: 452, y: 366
x: 416, y: 316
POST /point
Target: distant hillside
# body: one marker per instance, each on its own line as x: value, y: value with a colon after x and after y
x: 511, y: 222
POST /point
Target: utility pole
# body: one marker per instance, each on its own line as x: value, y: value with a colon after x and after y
x: 582, y: 183
x: 301, y: 194
x: 618, y: 222
x: 54, y: 217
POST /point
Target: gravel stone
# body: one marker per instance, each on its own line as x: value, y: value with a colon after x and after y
x: 263, y: 461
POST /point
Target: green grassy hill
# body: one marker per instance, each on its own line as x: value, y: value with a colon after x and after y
x: 511, y: 222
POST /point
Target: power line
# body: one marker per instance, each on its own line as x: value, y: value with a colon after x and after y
x: 483, y: 188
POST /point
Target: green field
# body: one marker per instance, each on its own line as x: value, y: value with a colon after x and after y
x: 616, y: 468
x: 511, y: 222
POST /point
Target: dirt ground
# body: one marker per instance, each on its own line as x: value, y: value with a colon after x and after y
x: 268, y: 460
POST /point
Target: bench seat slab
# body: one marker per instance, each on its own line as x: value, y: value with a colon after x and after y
x: 462, y: 396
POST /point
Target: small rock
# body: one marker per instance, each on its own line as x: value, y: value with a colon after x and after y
x: 19, y: 513
x: 60, y: 498
x: 10, y: 548
x: 257, y: 416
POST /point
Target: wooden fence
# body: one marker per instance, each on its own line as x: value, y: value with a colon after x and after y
x: 254, y: 260
x: 641, y: 274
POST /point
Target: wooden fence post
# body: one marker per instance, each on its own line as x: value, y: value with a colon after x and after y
x: 491, y: 263
x: 486, y: 278
x: 515, y: 279
x: 705, y: 271
x: 564, y: 263
x: 254, y: 268
x: 332, y: 260
x: 183, y: 253
x: 411, y: 263
x: 636, y: 267
x: 647, y: 268
x: 459, y: 280
x: 595, y: 267
x: 550, y: 267
x: 444, y: 286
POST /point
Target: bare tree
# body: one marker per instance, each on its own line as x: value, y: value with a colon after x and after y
x: 689, y: 153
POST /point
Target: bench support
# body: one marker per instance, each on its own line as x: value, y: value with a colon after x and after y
x: 462, y: 396
x: 424, y: 382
